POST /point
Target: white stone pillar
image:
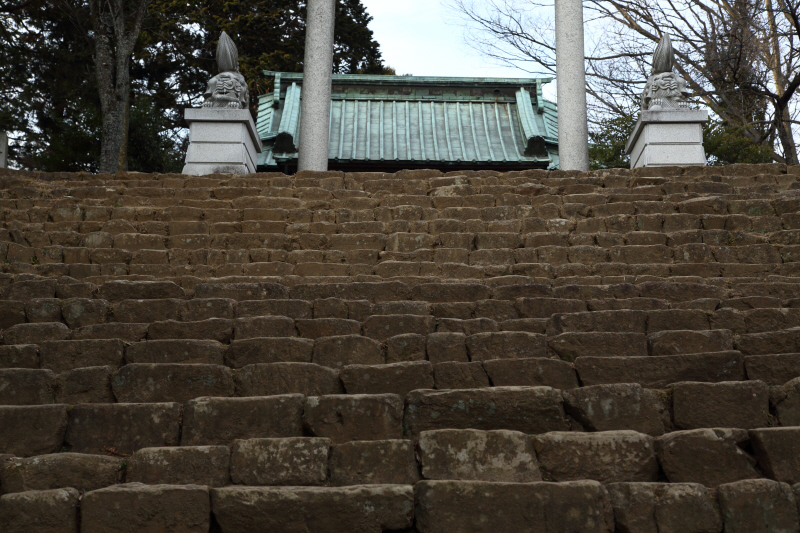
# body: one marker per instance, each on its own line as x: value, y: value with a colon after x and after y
x: 573, y: 127
x: 3, y: 149
x: 315, y: 107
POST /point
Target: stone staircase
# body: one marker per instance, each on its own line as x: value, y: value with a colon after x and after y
x: 555, y: 352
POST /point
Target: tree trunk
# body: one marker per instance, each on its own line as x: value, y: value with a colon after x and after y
x: 116, y: 25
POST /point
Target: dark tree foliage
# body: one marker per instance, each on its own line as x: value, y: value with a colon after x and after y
x: 48, y: 89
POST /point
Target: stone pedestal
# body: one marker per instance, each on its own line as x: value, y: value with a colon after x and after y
x: 221, y: 141
x: 668, y: 138
x: 3, y: 149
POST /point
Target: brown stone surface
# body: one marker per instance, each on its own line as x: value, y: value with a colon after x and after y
x: 146, y: 509
x: 85, y: 385
x: 471, y: 454
x: 447, y: 347
x: 660, y: 371
x: 19, y: 356
x: 216, y: 329
x: 25, y: 386
x: 732, y: 404
x: 687, y: 342
x: 81, y: 471
x: 46, y: 511
x: 707, y: 456
x: 186, y: 351
x: 532, y: 372
x: 288, y: 461
x: 775, y: 369
x: 340, y: 351
x: 264, y: 327
x: 605, y: 456
x: 506, y: 345
x: 32, y: 430
x: 140, y: 290
x: 664, y: 508
x: 397, y: 378
x: 526, y: 409
x: 269, y: 350
x: 272, y: 379
x: 62, y: 356
x: 758, y: 506
x: 185, y: 465
x: 35, y: 333
x: 778, y: 452
x: 382, y: 327
x: 209, y: 421
x: 356, y: 509
x: 570, y: 346
x: 122, y: 428
x: 618, y: 406
x: 373, y: 462
x: 147, y: 383
x: 786, y: 401
x: 454, y: 375
x: 446, y: 506
x: 344, y: 418
x: 79, y: 312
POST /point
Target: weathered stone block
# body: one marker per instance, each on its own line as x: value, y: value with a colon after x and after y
x: 708, y: 456
x: 344, y: 418
x: 358, y: 509
x: 19, y: 356
x: 79, y: 312
x: 397, y: 378
x: 147, y: 383
x: 733, y: 404
x: 570, y: 346
x: 373, y: 462
x: 264, y: 327
x: 180, y: 465
x: 616, y: 407
x: 85, y: 385
x: 664, y: 508
x: 778, y: 452
x: 534, y: 372
x: 775, y: 369
x: 453, y: 375
x: 758, y: 506
x: 62, y: 356
x: 340, y: 351
x: 471, y: 454
x: 25, y: 386
x: 382, y: 327
x: 446, y: 347
x: 32, y: 430
x: 122, y: 428
x: 659, y: 371
x: 35, y: 333
x: 786, y: 400
x: 687, y: 342
x: 409, y: 347
x: 45, y: 472
x: 140, y: 290
x: 506, y: 345
x: 208, y: 421
x: 271, y: 379
x: 288, y: 461
x: 216, y: 329
x: 526, y: 409
x: 147, y: 508
x: 186, y: 351
x: 269, y: 350
x: 445, y: 506
x: 42, y: 511
x: 606, y: 456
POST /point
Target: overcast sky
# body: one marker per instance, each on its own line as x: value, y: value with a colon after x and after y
x: 420, y: 37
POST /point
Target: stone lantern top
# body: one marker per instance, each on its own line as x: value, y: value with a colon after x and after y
x: 228, y: 89
x: 665, y: 90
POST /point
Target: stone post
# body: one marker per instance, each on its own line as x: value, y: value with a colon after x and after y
x: 573, y: 128
x: 315, y: 106
x: 3, y: 149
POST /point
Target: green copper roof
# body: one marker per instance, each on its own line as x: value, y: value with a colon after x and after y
x: 456, y: 121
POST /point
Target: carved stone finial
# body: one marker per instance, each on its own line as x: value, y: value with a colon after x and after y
x: 228, y: 89
x: 665, y: 89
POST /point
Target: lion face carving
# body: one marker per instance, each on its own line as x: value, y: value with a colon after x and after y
x: 228, y: 90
